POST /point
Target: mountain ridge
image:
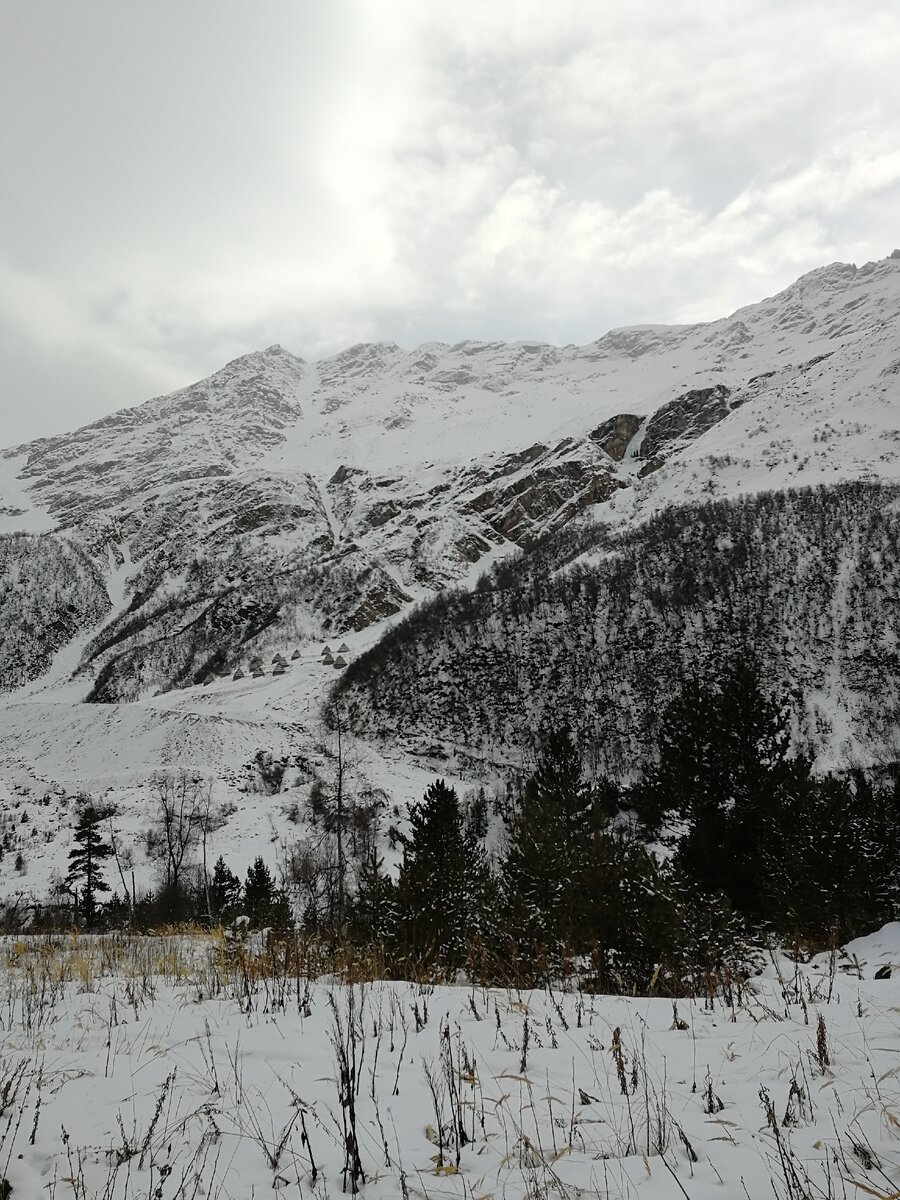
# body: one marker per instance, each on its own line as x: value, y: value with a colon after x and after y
x: 374, y: 478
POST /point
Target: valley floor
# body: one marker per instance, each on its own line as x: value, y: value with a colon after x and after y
x: 54, y: 748
x: 164, y: 1067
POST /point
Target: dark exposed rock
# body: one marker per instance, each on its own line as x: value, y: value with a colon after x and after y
x: 382, y: 512
x: 520, y: 508
x: 515, y: 462
x: 685, y: 418
x: 471, y: 547
x: 382, y: 599
x: 649, y: 467
x: 343, y: 474
x: 280, y: 516
x: 614, y: 435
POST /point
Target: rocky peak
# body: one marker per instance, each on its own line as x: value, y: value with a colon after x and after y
x: 271, y: 376
x: 361, y: 359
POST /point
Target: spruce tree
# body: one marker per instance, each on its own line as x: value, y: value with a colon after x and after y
x: 265, y: 903
x: 755, y: 774
x: 831, y: 864
x: 86, y: 860
x: 722, y: 767
x: 374, y: 909
x: 224, y: 892
x: 550, y: 835
x: 684, y: 779
x: 259, y: 893
x: 443, y: 882
x: 625, y: 910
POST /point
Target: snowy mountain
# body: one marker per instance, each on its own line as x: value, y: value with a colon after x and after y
x: 280, y: 503
x: 308, y: 499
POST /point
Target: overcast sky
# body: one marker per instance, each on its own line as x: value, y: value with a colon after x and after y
x: 186, y: 180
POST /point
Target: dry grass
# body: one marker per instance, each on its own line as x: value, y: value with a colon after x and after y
x: 387, y: 1039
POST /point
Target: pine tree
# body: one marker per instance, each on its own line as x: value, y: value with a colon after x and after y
x: 550, y: 836
x: 723, y: 767
x: 557, y: 779
x: 86, y: 860
x: 443, y: 883
x: 684, y: 777
x: 832, y: 868
x: 627, y: 910
x: 374, y: 909
x: 224, y: 892
x: 281, y: 914
x: 755, y: 773
x: 265, y: 904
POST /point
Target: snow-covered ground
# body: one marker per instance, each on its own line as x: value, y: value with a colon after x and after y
x: 139, y: 1067
x: 52, y: 749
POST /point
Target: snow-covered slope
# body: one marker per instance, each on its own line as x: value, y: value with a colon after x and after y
x: 280, y: 503
x: 326, y: 496
x: 53, y: 749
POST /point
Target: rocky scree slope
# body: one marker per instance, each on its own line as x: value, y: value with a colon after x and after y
x: 285, y: 500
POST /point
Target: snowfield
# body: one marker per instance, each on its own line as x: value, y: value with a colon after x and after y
x: 167, y: 1068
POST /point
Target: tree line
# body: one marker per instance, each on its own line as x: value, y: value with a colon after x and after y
x: 726, y: 839
x: 217, y: 899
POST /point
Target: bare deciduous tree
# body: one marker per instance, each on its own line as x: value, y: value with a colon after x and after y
x: 340, y: 803
x: 124, y: 860
x: 211, y: 818
x: 180, y: 801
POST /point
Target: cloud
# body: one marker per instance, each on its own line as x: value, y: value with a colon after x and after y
x: 185, y: 182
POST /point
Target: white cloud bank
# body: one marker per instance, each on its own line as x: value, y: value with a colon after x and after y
x: 183, y: 182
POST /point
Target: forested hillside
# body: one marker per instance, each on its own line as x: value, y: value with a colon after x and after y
x: 803, y: 582
x: 50, y: 590
x: 202, y: 626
